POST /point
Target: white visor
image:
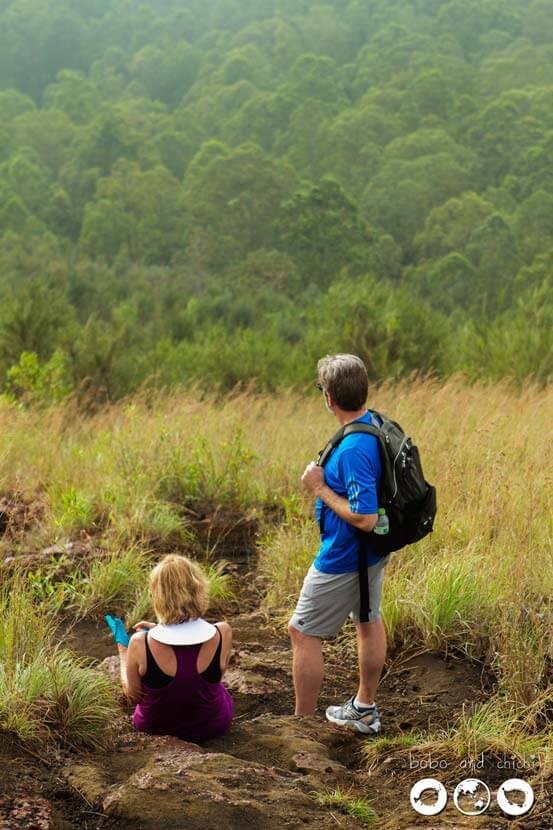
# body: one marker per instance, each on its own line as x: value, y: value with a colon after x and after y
x: 183, y: 634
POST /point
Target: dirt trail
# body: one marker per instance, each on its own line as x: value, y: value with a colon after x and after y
x: 263, y: 774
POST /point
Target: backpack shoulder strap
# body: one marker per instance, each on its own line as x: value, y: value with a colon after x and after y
x: 343, y: 432
x: 323, y: 456
x: 368, y: 429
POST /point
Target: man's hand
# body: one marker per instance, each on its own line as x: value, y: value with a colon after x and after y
x: 313, y: 478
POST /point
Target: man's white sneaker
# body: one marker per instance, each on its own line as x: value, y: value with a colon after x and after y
x: 363, y: 719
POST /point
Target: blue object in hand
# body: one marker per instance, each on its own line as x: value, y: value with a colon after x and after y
x: 118, y: 630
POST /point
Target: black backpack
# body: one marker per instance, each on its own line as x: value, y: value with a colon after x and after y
x: 409, y: 500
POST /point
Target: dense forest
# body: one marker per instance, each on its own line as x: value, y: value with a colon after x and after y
x: 220, y: 191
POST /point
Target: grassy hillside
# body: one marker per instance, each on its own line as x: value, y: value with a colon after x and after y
x: 134, y: 481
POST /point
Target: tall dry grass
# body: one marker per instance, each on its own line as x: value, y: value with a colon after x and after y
x: 482, y: 582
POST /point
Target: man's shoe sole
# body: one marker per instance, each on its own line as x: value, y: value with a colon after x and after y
x: 358, y: 726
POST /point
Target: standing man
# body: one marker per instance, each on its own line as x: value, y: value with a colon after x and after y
x: 347, y: 497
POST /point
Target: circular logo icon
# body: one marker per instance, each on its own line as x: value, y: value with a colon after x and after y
x: 472, y: 797
x: 429, y: 806
x: 515, y: 797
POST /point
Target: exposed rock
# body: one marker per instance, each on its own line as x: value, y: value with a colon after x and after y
x: 90, y: 781
x: 306, y: 746
x: 111, y: 667
x: 173, y: 784
x: 313, y: 763
x: 270, y: 660
x: 250, y: 683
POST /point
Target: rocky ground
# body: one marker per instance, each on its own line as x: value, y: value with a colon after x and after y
x: 267, y: 771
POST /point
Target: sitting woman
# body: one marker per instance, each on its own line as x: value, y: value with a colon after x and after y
x: 173, y: 669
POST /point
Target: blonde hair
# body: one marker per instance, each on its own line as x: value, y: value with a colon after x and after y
x: 179, y: 589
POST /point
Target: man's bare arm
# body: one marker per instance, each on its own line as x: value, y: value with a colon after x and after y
x: 313, y: 480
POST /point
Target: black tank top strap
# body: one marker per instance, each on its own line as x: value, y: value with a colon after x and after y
x: 154, y: 677
x: 213, y: 671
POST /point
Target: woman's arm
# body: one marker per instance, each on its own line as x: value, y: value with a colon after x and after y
x: 226, y: 647
x: 130, y: 664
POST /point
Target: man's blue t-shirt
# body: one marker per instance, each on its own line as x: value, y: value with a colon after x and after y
x: 353, y: 471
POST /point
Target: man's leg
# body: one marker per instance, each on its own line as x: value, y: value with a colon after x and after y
x: 371, y: 650
x: 307, y: 670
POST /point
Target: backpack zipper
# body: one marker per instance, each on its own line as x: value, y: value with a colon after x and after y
x: 394, y: 465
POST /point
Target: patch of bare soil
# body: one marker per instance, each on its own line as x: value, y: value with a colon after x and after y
x: 60, y: 559
x: 91, y: 638
x: 418, y: 692
x: 18, y: 514
x: 225, y: 534
x: 33, y: 796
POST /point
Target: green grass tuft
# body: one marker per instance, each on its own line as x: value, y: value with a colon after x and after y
x: 220, y: 583
x: 72, y: 511
x: 109, y: 582
x: 358, y: 808
x: 47, y: 695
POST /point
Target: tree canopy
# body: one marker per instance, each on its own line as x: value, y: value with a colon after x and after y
x: 218, y: 192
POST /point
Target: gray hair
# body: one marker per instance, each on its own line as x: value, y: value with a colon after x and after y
x: 345, y: 377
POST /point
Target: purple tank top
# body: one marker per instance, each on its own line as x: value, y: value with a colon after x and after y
x: 189, y: 707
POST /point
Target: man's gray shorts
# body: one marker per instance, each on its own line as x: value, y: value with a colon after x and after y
x: 327, y: 600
